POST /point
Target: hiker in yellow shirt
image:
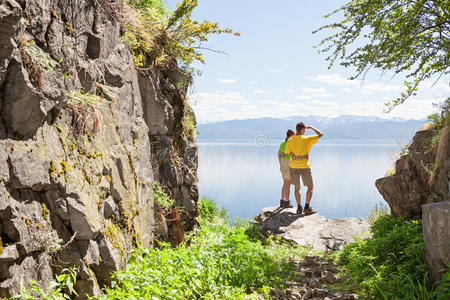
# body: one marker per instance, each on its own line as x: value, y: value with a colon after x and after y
x: 298, y: 147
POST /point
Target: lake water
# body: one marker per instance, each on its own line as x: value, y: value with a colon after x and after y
x: 245, y: 177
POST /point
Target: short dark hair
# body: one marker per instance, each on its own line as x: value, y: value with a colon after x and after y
x: 289, y: 133
x: 300, y: 126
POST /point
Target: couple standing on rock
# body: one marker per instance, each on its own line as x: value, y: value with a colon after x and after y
x: 293, y: 156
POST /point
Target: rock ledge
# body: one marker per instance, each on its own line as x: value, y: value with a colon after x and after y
x: 314, y: 230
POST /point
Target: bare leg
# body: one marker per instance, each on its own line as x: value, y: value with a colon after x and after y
x: 284, y: 194
x: 309, y: 194
x: 297, y: 193
x: 288, y: 189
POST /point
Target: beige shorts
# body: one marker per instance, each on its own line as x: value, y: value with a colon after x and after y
x: 285, y: 170
x: 304, y: 173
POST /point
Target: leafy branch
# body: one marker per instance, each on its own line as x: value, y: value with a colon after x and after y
x: 406, y: 36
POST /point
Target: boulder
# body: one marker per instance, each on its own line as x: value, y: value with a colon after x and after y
x: 436, y: 236
x: 314, y: 230
x: 407, y: 189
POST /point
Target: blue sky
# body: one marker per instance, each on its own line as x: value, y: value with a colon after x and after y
x: 272, y: 70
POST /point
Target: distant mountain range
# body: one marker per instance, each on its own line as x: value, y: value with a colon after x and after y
x: 342, y: 127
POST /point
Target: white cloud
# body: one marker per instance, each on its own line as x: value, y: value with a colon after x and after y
x: 317, y: 92
x: 442, y: 85
x: 221, y: 106
x: 332, y: 79
x: 217, y: 98
x: 347, y: 90
x: 275, y: 71
x: 253, y: 82
x: 227, y: 81
x: 260, y: 92
x: 313, y: 90
x: 289, y: 91
x: 303, y: 97
x: 380, y: 87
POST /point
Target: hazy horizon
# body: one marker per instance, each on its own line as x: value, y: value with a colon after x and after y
x: 316, y: 116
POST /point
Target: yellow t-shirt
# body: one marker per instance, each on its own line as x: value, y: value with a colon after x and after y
x: 300, y: 145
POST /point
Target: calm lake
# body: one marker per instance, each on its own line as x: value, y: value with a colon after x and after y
x: 245, y: 177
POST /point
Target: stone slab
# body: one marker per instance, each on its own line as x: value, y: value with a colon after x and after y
x: 314, y: 230
x: 436, y: 236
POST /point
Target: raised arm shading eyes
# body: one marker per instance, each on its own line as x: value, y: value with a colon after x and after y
x: 319, y: 133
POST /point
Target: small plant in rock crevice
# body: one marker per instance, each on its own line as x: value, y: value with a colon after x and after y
x: 63, y: 287
x: 162, y: 199
x: 40, y: 56
x: 84, y: 107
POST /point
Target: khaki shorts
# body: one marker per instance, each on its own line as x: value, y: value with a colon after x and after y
x: 304, y: 173
x: 285, y: 170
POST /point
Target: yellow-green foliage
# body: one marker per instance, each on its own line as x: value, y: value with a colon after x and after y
x: 190, y: 126
x: 166, y: 37
x: 40, y: 57
x: 52, y: 168
x: 64, y: 169
x: 390, y: 172
x: 1, y: 246
x: 45, y: 211
x: 112, y: 232
x: 161, y: 197
x: 83, y: 99
x: 87, y: 178
x: 94, y: 155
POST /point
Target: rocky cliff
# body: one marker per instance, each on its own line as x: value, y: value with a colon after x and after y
x: 83, y: 136
x: 422, y: 173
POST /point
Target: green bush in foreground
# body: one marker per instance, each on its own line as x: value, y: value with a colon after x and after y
x: 208, y: 210
x: 221, y: 262
x: 391, y: 264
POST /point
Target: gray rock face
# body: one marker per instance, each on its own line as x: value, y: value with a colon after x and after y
x: 314, y: 230
x: 74, y: 190
x: 407, y: 189
x: 436, y: 235
x: 421, y: 176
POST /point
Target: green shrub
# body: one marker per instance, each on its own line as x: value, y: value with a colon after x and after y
x: 442, y: 291
x: 437, y: 121
x: 208, y: 210
x: 155, y: 8
x: 221, y: 262
x: 168, y: 38
x: 190, y: 126
x: 161, y: 197
x: 391, y: 263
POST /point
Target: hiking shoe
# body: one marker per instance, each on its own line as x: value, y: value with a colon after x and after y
x: 288, y: 204
x: 309, y: 211
x: 299, y: 210
x: 285, y: 204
